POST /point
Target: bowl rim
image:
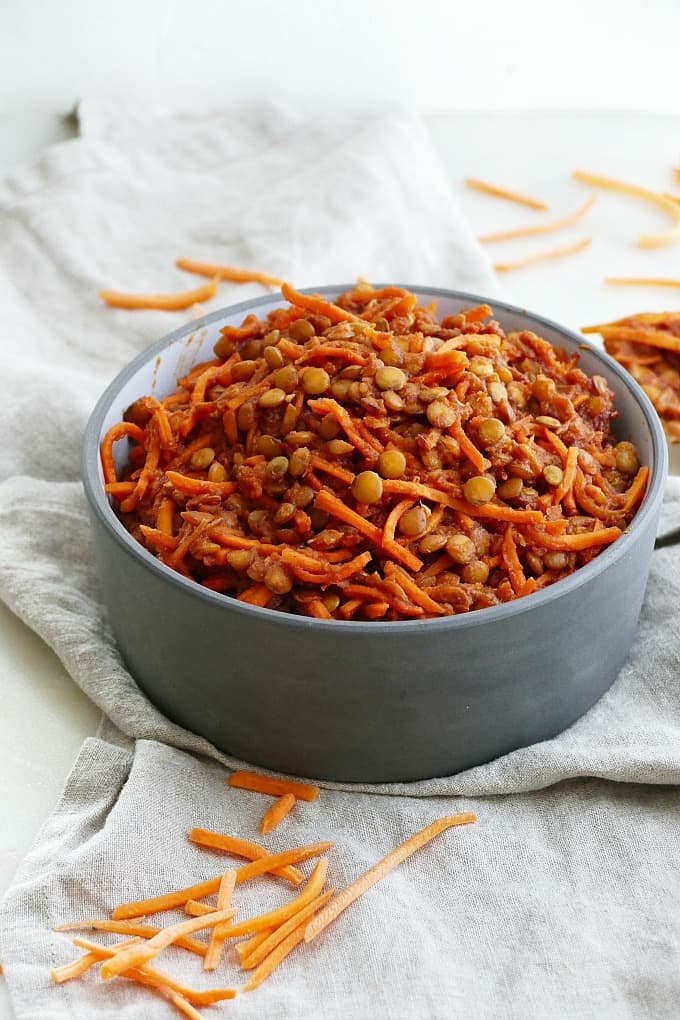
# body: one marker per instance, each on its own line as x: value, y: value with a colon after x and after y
x: 100, y: 504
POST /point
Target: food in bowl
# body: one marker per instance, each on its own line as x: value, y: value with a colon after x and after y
x: 362, y: 459
x: 648, y: 346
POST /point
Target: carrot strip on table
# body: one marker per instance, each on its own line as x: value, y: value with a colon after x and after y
x: 228, y: 273
x: 511, y: 196
x: 162, y: 302
x: 277, y: 812
x: 542, y: 256
x: 256, y: 595
x: 315, y: 303
x: 272, y: 786
x: 224, y: 893
x: 543, y: 228
x: 642, y: 281
x: 242, y: 848
x: 383, y: 867
x: 624, y: 188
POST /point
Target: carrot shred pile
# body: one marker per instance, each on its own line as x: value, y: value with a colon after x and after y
x: 648, y: 346
x: 361, y: 459
x: 271, y: 936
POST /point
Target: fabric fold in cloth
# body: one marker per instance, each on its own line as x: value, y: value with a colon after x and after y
x: 314, y: 204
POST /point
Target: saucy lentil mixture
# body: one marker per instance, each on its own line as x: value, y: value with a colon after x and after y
x: 648, y: 346
x: 362, y: 459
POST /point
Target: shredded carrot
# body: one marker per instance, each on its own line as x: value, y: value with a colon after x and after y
x: 139, y: 955
x: 636, y: 491
x: 156, y: 978
x: 326, y: 351
x: 388, y: 863
x: 260, y: 950
x: 277, y: 812
x: 164, y: 302
x: 660, y: 338
x: 271, y: 786
x: 393, y: 518
x: 241, y: 848
x: 224, y: 894
x: 122, y: 430
x: 248, y: 945
x: 273, y: 918
x: 256, y: 595
x: 159, y: 539
x: 118, y: 489
x: 168, y: 901
x: 642, y: 281
x: 331, y: 504
x: 511, y: 196
x: 543, y: 228
x: 291, y: 935
x: 573, y: 543
x: 229, y: 273
x: 321, y: 464
x: 667, y: 204
x: 314, y: 303
x: 542, y: 256
x: 468, y: 447
x: 76, y: 968
x: 324, y: 405
x: 568, y: 476
x: 146, y: 931
x: 511, y: 560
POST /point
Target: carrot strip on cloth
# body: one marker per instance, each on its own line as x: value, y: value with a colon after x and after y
x: 543, y: 228
x: 224, y: 894
x: 342, y: 900
x: 254, y: 956
x: 159, y: 979
x: 248, y: 945
x: 139, y: 955
x: 277, y: 812
x: 76, y: 968
x: 167, y: 901
x: 162, y: 302
x: 229, y: 273
x: 507, y: 193
x: 272, y: 786
x: 542, y: 256
x: 273, y: 918
x: 284, y: 946
x: 242, y: 848
x: 511, y: 560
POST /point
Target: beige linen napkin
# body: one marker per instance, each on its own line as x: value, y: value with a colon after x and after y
x: 562, y: 902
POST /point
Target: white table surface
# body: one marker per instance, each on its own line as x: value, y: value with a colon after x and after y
x: 42, y: 708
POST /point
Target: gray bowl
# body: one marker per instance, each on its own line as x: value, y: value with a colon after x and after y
x: 370, y: 701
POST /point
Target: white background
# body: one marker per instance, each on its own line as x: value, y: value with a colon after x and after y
x: 429, y: 55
